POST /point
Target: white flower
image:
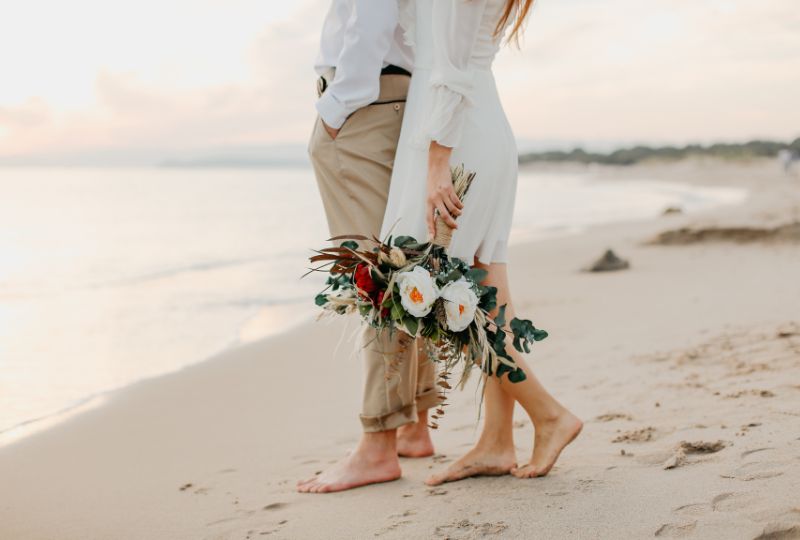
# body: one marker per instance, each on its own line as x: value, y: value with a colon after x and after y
x: 417, y: 291
x: 460, y: 303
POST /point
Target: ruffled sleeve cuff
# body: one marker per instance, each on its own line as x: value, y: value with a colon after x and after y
x: 444, y: 116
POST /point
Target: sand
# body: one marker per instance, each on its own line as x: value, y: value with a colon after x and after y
x: 685, y: 368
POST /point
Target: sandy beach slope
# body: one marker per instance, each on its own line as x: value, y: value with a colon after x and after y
x: 686, y: 369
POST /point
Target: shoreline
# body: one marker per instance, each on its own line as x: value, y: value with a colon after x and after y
x: 212, y: 451
x: 259, y: 327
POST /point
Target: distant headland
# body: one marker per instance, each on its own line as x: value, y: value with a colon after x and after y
x: 638, y: 154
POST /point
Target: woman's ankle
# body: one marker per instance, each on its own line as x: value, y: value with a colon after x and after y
x: 496, y: 442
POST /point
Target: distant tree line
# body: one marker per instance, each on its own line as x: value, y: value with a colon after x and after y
x: 637, y: 154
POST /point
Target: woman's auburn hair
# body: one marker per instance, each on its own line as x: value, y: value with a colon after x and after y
x: 517, y: 11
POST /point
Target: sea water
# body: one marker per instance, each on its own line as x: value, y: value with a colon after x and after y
x: 109, y: 276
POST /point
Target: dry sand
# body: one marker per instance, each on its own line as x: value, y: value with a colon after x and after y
x: 685, y: 367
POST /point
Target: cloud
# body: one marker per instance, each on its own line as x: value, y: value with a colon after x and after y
x: 656, y: 70
x: 662, y: 70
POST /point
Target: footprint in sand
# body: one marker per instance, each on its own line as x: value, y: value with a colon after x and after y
x: 749, y: 452
x: 756, y: 470
x: 274, y: 506
x: 466, y: 529
x: 684, y: 449
x: 676, y: 530
x: 637, y: 435
x: 393, y: 526
x: 733, y: 502
x: 251, y: 534
x: 608, y: 417
x: 397, y: 522
x: 692, y: 510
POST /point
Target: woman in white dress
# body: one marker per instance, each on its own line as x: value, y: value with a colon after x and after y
x: 453, y: 115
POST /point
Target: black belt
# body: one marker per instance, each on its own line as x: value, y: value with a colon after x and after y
x: 391, y: 69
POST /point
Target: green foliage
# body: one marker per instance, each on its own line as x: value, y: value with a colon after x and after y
x: 477, y: 275
x: 638, y: 154
x: 488, y: 299
x: 321, y: 299
x: 397, y: 311
x: 517, y: 375
x: 453, y: 275
x: 500, y: 318
x: 411, y: 324
x: 350, y: 244
x: 337, y: 281
x: 525, y: 333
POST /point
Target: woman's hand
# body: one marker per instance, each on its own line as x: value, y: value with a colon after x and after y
x: 441, y: 195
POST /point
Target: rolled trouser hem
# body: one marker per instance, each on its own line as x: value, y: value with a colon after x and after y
x: 392, y: 420
x: 428, y: 400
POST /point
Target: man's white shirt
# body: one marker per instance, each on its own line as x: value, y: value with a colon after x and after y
x: 359, y: 38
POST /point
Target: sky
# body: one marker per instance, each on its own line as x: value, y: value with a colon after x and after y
x: 154, y: 79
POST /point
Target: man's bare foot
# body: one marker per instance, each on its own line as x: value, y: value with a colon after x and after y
x: 478, y: 462
x: 549, y: 440
x: 372, y: 462
x: 414, y: 440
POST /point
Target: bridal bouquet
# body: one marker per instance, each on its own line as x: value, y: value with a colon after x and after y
x: 401, y: 284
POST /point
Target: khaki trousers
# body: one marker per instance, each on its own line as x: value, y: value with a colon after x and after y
x: 353, y: 173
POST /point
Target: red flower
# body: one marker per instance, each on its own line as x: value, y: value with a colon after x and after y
x: 364, y: 281
x: 379, y: 301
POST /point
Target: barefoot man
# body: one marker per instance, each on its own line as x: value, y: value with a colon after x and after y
x: 364, y: 77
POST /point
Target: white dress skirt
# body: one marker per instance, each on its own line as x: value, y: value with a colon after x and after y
x: 453, y: 100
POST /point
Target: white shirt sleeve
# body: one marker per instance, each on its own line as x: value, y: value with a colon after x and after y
x: 367, y: 39
x: 456, y: 24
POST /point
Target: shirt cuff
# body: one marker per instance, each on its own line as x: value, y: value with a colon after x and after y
x: 331, y: 111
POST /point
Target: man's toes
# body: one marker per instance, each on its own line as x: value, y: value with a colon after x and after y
x: 310, y: 487
x: 523, y: 472
x: 441, y: 478
x: 301, y: 483
x: 434, y: 480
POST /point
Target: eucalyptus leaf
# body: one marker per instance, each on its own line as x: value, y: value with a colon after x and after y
x: 397, y: 311
x: 500, y: 318
x: 403, y: 241
x: 477, y: 275
x: 454, y: 275
x: 411, y: 325
x: 525, y: 333
x: 517, y: 376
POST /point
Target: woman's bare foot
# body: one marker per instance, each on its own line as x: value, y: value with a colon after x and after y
x: 414, y: 440
x: 372, y: 462
x: 549, y: 440
x: 479, y: 461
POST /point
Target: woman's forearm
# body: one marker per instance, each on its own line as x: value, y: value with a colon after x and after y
x: 438, y: 155
x: 441, y: 197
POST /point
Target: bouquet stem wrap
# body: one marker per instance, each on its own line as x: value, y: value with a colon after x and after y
x: 462, y: 180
